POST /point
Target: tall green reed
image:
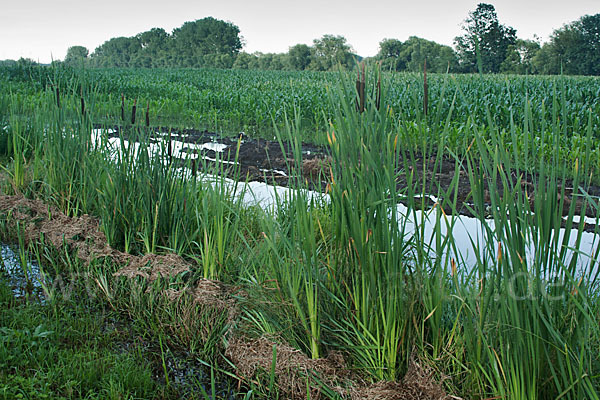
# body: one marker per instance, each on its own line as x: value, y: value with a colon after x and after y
x: 293, y: 253
x: 528, y: 315
x: 146, y: 202
x: 371, y: 286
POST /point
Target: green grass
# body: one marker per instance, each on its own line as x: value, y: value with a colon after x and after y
x: 66, y: 351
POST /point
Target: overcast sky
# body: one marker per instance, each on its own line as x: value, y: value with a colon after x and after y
x: 44, y: 29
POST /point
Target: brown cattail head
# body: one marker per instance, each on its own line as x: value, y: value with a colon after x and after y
x: 170, y: 148
x: 82, y: 101
x: 362, y: 89
x: 148, y: 114
x: 133, y: 111
x: 358, y: 90
x: 122, y: 107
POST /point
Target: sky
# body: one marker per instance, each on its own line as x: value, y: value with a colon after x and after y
x: 44, y: 29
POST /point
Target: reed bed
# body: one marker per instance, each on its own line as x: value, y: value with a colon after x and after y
x: 353, y: 273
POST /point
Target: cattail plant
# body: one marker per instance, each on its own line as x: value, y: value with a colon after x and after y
x: 360, y: 273
x: 194, y: 166
x: 170, y: 149
x: 378, y: 95
x: 148, y: 114
x: 133, y: 109
x: 360, y: 89
x: 122, y: 107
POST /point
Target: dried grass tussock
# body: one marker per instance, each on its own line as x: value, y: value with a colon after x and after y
x: 313, y: 167
x: 39, y: 219
x: 210, y: 294
x: 292, y: 368
x: 153, y: 266
x: 83, y: 235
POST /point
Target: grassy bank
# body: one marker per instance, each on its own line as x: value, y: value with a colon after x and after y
x: 356, y: 275
x: 83, y: 338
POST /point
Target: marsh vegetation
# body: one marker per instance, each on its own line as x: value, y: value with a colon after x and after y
x: 350, y: 283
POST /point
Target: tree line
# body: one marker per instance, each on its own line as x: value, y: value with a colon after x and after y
x: 486, y: 46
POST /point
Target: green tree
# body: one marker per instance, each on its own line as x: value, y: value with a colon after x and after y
x: 389, y: 55
x: 519, y: 57
x: 154, y: 48
x: 279, y: 62
x: 573, y: 49
x: 208, y: 36
x: 8, y: 63
x: 485, y: 43
x: 546, y: 61
x: 330, y: 51
x: 117, y: 52
x: 439, y: 57
x: 411, y: 55
x: 153, y: 40
x: 76, y: 55
x: 245, y: 61
x: 264, y: 60
x: 299, y: 57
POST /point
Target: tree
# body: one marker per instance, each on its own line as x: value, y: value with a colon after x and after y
x: 209, y: 36
x: 299, y: 57
x: 264, y: 61
x: 8, y: 63
x: 389, y: 54
x: 117, y: 52
x: 331, y: 51
x: 411, y: 55
x: 222, y: 61
x: 519, y: 57
x: 206, y: 42
x: 76, y: 55
x: 279, y: 61
x: 245, y: 61
x: 572, y: 49
x: 485, y: 43
x: 154, y: 48
x: 439, y: 57
x: 153, y: 40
